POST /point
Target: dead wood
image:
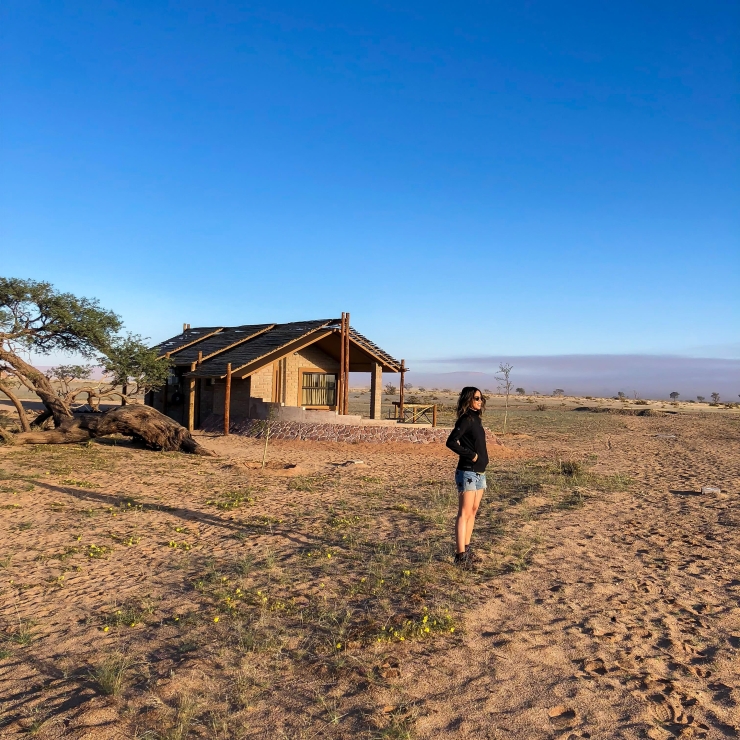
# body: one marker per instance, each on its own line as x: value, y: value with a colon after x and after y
x: 143, y: 423
x: 23, y: 419
x: 42, y: 418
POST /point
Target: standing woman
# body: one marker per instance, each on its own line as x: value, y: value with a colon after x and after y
x: 468, y: 440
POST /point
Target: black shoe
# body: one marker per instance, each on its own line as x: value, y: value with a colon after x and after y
x: 462, y: 560
x: 472, y: 557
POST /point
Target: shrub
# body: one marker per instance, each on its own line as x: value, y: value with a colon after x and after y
x: 570, y: 468
x: 541, y: 407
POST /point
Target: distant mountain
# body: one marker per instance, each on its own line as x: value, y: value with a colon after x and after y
x: 649, y: 376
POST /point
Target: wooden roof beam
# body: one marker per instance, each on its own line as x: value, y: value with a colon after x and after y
x: 190, y: 344
x: 238, y: 342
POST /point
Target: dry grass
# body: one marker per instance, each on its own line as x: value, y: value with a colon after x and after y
x: 214, y: 587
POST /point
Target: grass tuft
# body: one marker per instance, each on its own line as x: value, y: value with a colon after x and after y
x: 109, y: 676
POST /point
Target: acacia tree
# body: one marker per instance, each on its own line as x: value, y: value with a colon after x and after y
x: 34, y: 317
x: 715, y: 397
x: 674, y: 395
x: 700, y: 399
x: 129, y: 367
x: 521, y: 391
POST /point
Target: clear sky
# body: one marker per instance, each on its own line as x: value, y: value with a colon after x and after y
x: 467, y: 179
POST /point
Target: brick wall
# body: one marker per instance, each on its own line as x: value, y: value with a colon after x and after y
x: 310, y: 358
x: 262, y: 384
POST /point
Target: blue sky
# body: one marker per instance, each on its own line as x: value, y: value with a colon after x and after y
x: 476, y: 179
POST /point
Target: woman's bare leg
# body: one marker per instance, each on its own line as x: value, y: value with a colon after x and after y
x: 468, y: 504
x: 473, y: 513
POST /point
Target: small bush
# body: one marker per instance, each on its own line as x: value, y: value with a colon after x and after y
x: 541, y: 407
x: 641, y: 402
x: 570, y: 468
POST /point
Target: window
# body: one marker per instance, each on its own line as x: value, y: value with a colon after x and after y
x: 319, y: 389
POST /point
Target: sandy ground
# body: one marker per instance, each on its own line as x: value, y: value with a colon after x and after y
x: 622, y: 621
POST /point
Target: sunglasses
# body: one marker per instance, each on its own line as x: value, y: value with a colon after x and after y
x: 477, y: 398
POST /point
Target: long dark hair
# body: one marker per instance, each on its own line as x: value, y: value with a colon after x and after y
x: 466, y: 398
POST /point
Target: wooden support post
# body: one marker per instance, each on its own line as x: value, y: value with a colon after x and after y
x: 200, y: 356
x: 345, y: 404
x: 227, y: 401
x: 191, y: 399
x: 164, y: 389
x: 340, y: 376
x: 401, y: 389
x: 434, y: 415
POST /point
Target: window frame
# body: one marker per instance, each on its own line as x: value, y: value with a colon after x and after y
x: 302, y: 372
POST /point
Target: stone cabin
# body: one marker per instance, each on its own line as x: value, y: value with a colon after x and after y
x: 292, y: 368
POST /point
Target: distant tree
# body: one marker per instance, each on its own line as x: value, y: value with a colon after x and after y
x: 504, y: 378
x: 487, y: 390
x: 446, y: 390
x: 422, y: 390
x: 700, y: 399
x: 535, y: 393
x: 620, y: 395
x: 408, y: 386
x: 715, y: 397
x: 558, y: 392
x: 675, y: 395
x: 521, y: 391
x: 390, y: 389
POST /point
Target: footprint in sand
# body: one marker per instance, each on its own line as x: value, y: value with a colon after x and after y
x: 594, y: 666
x: 562, y: 718
x: 698, y: 671
x: 661, y: 708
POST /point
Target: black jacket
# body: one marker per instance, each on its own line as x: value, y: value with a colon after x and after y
x: 468, y: 439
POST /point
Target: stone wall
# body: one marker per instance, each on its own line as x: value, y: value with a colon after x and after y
x: 334, y: 432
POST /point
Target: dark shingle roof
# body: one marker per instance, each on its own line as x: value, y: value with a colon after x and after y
x: 373, y: 348
x: 187, y: 337
x: 251, y: 342
x: 264, y: 344
x: 218, y: 342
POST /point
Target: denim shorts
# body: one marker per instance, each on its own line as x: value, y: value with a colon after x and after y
x: 467, y: 480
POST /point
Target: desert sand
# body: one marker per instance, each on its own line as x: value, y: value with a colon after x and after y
x: 153, y: 595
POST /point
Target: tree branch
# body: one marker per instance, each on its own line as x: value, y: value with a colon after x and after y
x: 25, y: 426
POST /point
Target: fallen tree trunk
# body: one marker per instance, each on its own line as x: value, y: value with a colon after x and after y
x: 143, y: 423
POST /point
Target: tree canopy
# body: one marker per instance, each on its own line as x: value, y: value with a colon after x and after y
x: 35, y: 317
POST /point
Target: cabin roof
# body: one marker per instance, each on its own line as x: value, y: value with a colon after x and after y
x: 247, y: 345
x: 213, y: 344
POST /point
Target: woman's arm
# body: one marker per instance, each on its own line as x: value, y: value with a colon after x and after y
x: 454, y: 441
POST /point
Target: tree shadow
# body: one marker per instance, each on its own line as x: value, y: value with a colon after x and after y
x: 187, y: 515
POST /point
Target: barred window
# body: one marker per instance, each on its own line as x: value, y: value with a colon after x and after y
x: 319, y: 389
